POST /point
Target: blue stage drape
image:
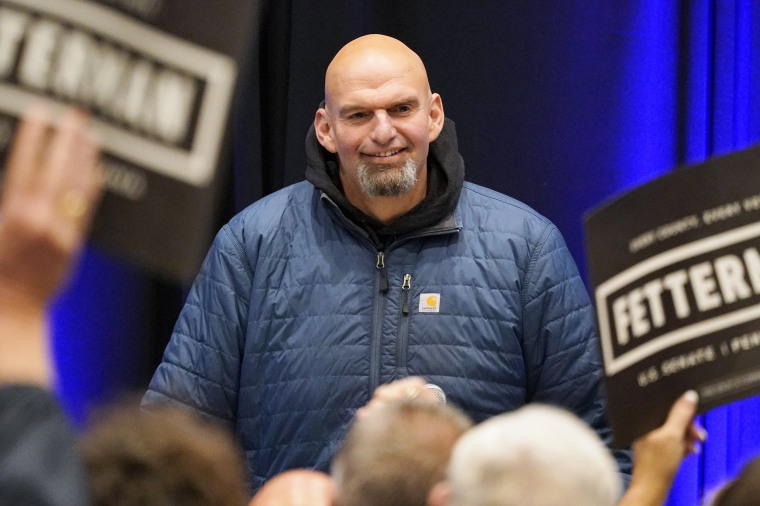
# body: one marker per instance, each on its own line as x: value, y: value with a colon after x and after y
x: 100, y: 321
x: 725, y: 120
x: 694, y: 73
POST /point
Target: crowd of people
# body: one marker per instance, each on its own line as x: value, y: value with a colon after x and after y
x: 387, y: 251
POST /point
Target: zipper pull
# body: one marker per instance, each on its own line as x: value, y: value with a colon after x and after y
x: 383, y: 276
x: 406, y: 285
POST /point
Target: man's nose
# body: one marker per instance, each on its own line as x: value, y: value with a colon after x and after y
x: 383, y: 130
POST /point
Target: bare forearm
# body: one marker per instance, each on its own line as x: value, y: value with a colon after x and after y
x: 25, y: 357
x: 41, y: 233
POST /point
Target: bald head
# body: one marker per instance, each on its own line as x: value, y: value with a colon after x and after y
x: 362, y: 60
x: 296, y: 487
x: 379, y: 119
x: 396, y: 453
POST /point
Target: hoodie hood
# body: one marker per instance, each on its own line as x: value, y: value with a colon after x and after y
x: 445, y: 179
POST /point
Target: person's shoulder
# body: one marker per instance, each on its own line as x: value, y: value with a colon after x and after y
x: 283, y: 209
x: 297, y: 192
x: 295, y: 197
x: 499, y: 205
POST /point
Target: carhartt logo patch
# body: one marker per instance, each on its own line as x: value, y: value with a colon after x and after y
x: 430, y: 302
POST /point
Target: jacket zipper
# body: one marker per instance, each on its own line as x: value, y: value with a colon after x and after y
x: 382, y: 281
x: 380, y: 264
x: 377, y: 323
x: 402, y: 342
x: 405, y: 286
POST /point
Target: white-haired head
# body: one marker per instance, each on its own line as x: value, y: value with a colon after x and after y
x: 538, y: 455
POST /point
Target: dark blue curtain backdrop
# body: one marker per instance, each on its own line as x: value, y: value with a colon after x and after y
x: 560, y: 103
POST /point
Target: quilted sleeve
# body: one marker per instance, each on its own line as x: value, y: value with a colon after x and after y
x: 200, y: 368
x: 561, y: 348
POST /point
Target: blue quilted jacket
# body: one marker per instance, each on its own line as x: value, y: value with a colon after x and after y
x: 296, y: 317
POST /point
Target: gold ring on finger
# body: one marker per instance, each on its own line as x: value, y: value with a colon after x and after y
x: 73, y: 204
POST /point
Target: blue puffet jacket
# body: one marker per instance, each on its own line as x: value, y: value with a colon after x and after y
x: 296, y: 317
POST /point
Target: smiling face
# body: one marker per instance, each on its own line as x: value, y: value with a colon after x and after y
x: 379, y: 118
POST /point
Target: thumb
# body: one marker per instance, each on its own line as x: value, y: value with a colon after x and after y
x: 683, y: 411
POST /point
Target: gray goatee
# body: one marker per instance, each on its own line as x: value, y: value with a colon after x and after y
x: 381, y: 180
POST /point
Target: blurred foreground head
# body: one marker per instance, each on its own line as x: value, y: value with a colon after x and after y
x: 296, y: 487
x: 166, y: 457
x: 538, y: 455
x: 395, y: 454
x: 744, y: 490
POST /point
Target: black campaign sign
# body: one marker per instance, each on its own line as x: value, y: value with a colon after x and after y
x: 675, y: 267
x: 158, y: 77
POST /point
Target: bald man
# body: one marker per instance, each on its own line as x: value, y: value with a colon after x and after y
x: 296, y: 487
x: 383, y: 264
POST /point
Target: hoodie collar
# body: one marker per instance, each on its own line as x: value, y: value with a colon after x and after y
x: 445, y: 178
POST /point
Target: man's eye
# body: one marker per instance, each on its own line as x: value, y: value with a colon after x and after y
x: 403, y: 108
x: 357, y: 115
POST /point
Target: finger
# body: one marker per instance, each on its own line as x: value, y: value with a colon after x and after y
x: 695, y: 438
x: 697, y: 433
x: 683, y: 411
x: 60, y: 163
x: 86, y: 154
x: 399, y: 389
x: 86, y: 173
x: 26, y: 154
x: 413, y: 387
x: 369, y: 408
x: 72, y: 179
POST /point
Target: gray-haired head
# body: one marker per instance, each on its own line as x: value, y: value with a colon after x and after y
x: 538, y: 455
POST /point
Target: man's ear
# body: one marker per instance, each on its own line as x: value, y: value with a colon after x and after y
x: 440, y: 494
x: 435, y: 124
x: 324, y: 131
